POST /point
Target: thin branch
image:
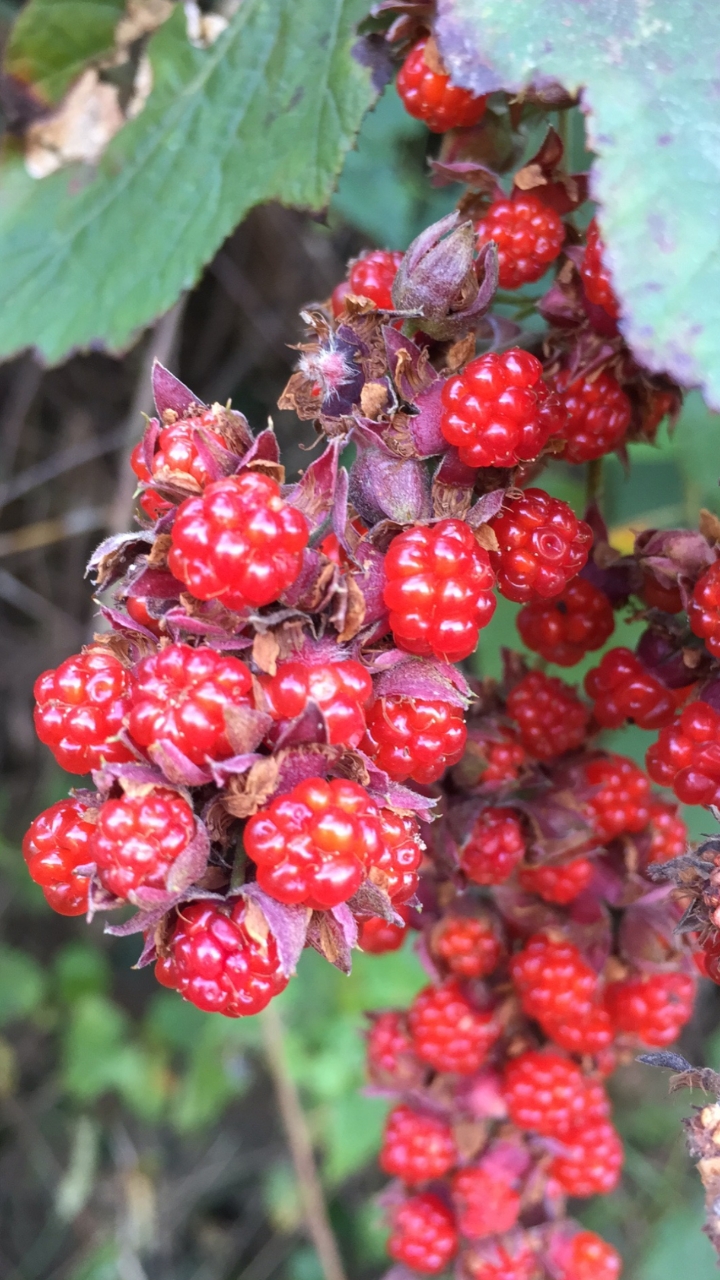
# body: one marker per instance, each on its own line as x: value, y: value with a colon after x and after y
x: 58, y: 463
x: 33, y: 604
x: 294, y: 1121
x: 23, y: 390
x: 44, y: 533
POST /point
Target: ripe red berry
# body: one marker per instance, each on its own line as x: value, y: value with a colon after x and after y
x: 501, y: 754
x: 391, y: 1055
x: 553, y: 980
x: 377, y: 936
x: 595, y: 276
x: 510, y: 1259
x: 216, y: 963
x: 81, y: 706
x: 57, y: 842
x: 591, y: 1160
x: 622, y: 689
x: 550, y: 1095
x: 498, y: 411
x: 439, y: 589
x: 590, y: 1033
x: 707, y: 961
x: 430, y: 96
x: 529, y: 236
x: 340, y: 688
x: 468, y: 945
x: 494, y: 846
x: 186, y: 696
x: 686, y: 755
x: 414, y: 737
x: 423, y: 1234
x: 598, y: 414
x: 549, y: 714
x: 138, y: 838
x: 654, y: 1007
x: 178, y: 457
x: 657, y: 596
x: 370, y: 277
x: 668, y: 832
x: 417, y: 1146
x: 542, y: 545
x: 316, y: 844
x: 558, y: 882
x: 563, y: 630
x: 485, y: 1204
x: 620, y: 799
x: 137, y: 608
x: 588, y: 1257
x: 704, y: 609
x: 448, y: 1032
x: 238, y: 542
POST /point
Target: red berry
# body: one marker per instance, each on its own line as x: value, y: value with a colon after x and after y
x: 542, y: 545
x: 494, y: 847
x: 340, y: 688
x: 178, y: 458
x: 668, y: 832
x: 590, y: 1033
x: 468, y: 945
x: 316, y: 844
x: 391, y: 1055
x: 658, y: 596
x: 430, y: 95
x: 707, y: 961
x: 591, y: 1160
x: 485, y: 1204
x: 620, y: 799
x: 498, y: 411
x: 686, y: 755
x: 558, y: 882
x: 377, y: 936
x: 588, y: 1257
x: 137, y: 609
x: 372, y: 277
x: 500, y: 752
x: 550, y: 1095
x: 414, y: 737
x: 81, y: 706
x: 622, y: 689
x: 138, y: 838
x: 512, y: 1259
x: 553, y: 980
x: 653, y: 1007
x: 216, y: 963
x: 423, y: 1234
x: 439, y: 589
x: 563, y: 630
x: 529, y: 236
x: 596, y: 277
x: 417, y: 1146
x: 57, y: 842
x: 598, y: 414
x: 448, y: 1032
x: 186, y: 696
x: 704, y: 609
x: 549, y: 714
x: 238, y: 543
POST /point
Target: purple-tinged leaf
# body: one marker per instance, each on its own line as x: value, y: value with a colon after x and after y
x: 120, y: 621
x: 176, y: 766
x: 409, y: 364
x: 424, y: 678
x: 191, y: 864
x: 141, y: 922
x: 314, y: 494
x: 485, y: 508
x: 114, y: 555
x: 245, y: 727
x: 345, y: 918
x: 438, y: 278
x: 452, y: 487
x: 170, y: 393
x: 424, y: 426
x: 264, y: 448
x: 309, y: 726
x: 383, y: 485
x: 327, y: 936
x: 223, y: 770
x: 131, y: 777
x: 297, y: 764
x: 287, y: 924
x: 371, y: 900
x: 340, y: 520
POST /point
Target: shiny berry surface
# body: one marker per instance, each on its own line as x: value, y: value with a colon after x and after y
x: 439, y: 589
x: 653, y: 1007
x: 138, y: 837
x: 372, y: 277
x: 595, y: 276
x: 622, y: 689
x: 391, y: 1056
x: 55, y: 844
x: 217, y: 964
x: 549, y: 1094
x: 238, y: 543
x: 704, y: 609
x: 501, y: 754
x: 542, y: 545
x: 468, y: 945
x: 448, y: 1032
x: 598, y: 415
x: 591, y: 1160
x: 485, y: 1204
x: 423, y: 1234
x: 430, y: 95
x: 494, y: 847
x: 620, y: 796
x: 179, y: 457
x: 416, y: 1146
x: 557, y: 882
x: 550, y: 716
x: 498, y: 411
x: 575, y: 622
x: 553, y: 979
x: 686, y: 755
x: 589, y: 1033
x: 414, y: 737
x: 81, y: 707
x: 658, y: 596
x: 340, y: 689
x: 378, y: 936
x: 589, y: 1257
x: 529, y: 236
x: 186, y: 696
x: 668, y: 832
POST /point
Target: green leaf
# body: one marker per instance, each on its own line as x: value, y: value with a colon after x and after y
x: 649, y: 78
x: 81, y: 969
x: 52, y: 42
x: 267, y: 113
x: 100, y: 1057
x: 21, y: 984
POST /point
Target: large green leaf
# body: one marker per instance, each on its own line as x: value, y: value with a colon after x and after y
x: 52, y: 41
x: 266, y: 113
x: 649, y: 74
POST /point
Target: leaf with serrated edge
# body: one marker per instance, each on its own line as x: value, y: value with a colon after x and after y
x: 52, y: 41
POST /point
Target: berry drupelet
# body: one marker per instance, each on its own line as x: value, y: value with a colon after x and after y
x: 468, y: 946
x: 485, y: 1203
x: 498, y: 411
x: 668, y: 832
x: 557, y: 882
x: 391, y: 1053
x: 686, y: 755
x: 541, y: 546
x: 549, y: 1094
x: 590, y: 1161
x: 588, y: 1257
x: 370, y: 277
x: 575, y: 622
x: 553, y: 980
x: 704, y: 609
x: 55, y: 845
x: 81, y: 708
x: 417, y: 1146
x: 448, y: 1032
x: 429, y: 95
x: 378, y: 936
x: 595, y: 276
x: 623, y: 689
x: 414, y: 738
x: 138, y: 838
x: 494, y: 846
x: 423, y: 1233
x: 340, y: 688
x: 619, y: 798
x: 529, y: 236
x: 508, y: 1259
x: 177, y: 457
x: 654, y: 1007
x: 597, y: 413
x: 550, y: 716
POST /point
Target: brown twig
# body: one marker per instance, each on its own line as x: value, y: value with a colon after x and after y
x: 295, y: 1124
